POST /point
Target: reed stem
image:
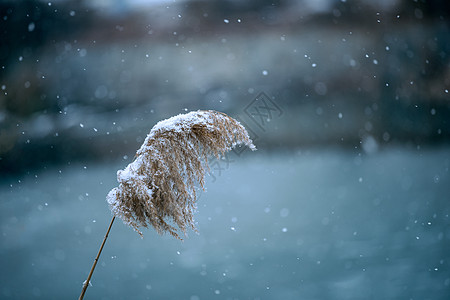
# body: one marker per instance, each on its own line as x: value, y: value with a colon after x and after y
x: 86, y: 283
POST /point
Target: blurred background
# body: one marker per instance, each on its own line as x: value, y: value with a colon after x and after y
x: 347, y: 101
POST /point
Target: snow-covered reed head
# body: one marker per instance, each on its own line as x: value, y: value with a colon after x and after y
x: 159, y: 187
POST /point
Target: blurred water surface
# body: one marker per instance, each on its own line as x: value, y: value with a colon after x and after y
x: 315, y: 224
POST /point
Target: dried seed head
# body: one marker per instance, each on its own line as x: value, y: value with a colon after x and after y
x: 159, y: 187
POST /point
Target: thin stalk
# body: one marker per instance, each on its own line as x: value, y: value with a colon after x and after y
x: 86, y: 283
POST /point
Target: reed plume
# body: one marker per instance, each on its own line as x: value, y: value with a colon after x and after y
x: 159, y: 187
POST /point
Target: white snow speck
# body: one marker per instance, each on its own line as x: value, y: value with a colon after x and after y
x: 226, y: 21
x: 31, y: 27
x: 314, y: 65
x: 284, y: 212
x: 369, y: 144
x: 81, y: 125
x: 82, y: 52
x: 265, y: 73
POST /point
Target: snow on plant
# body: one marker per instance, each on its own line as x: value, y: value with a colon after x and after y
x: 159, y: 187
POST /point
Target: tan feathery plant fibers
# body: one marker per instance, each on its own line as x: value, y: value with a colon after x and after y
x: 159, y: 187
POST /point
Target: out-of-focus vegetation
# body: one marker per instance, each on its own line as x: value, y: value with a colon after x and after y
x: 84, y: 81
